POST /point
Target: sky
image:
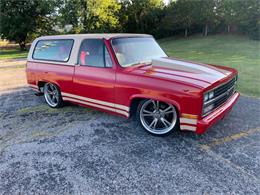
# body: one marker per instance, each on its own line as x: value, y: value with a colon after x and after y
x: 166, y: 1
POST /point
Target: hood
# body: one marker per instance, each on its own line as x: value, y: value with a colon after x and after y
x: 202, y: 75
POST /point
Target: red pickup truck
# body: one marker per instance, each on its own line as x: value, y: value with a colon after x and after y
x: 130, y: 75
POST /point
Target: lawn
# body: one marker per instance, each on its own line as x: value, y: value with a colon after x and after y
x: 12, y: 53
x: 234, y: 51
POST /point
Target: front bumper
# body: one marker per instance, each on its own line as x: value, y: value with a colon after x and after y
x: 216, y: 115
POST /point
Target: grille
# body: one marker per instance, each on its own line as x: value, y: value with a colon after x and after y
x: 225, y: 97
x: 224, y: 88
x: 222, y: 94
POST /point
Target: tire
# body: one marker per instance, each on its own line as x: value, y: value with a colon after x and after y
x: 52, y: 95
x: 157, y: 117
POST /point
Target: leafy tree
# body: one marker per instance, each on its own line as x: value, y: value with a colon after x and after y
x: 103, y: 15
x: 69, y: 11
x: 143, y: 15
x: 90, y: 15
x: 181, y: 15
x: 228, y: 11
x: 249, y: 20
x: 21, y: 19
x: 207, y: 14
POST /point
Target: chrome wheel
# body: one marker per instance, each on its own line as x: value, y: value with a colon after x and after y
x: 52, y: 94
x: 158, y: 117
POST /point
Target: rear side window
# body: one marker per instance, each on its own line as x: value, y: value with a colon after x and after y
x: 93, y: 52
x: 53, y: 50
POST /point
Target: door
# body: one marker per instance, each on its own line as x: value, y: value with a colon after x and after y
x: 94, y: 76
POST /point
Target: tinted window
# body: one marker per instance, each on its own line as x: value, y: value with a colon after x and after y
x: 53, y: 50
x: 93, y: 52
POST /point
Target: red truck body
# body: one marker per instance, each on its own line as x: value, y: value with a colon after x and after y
x: 118, y: 89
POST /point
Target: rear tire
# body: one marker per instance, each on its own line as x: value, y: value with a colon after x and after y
x: 157, y: 117
x: 52, y: 95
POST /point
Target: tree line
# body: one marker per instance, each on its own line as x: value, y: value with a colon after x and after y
x: 23, y: 20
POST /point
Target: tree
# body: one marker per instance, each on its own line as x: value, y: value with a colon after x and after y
x: 249, y: 20
x: 142, y: 15
x: 103, y: 15
x: 228, y: 11
x: 206, y: 13
x: 90, y: 15
x: 69, y: 14
x: 20, y: 19
x: 181, y: 15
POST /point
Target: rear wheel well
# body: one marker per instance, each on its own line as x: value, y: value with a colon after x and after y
x: 41, y: 85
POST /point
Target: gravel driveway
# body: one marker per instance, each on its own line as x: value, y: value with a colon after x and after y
x: 76, y: 150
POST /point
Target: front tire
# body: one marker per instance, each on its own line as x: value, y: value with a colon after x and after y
x: 52, y: 95
x: 157, y: 117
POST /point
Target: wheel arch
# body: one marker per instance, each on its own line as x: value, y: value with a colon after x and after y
x: 41, y: 83
x: 136, y: 99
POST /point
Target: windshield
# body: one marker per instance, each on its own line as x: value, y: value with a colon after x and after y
x: 136, y: 50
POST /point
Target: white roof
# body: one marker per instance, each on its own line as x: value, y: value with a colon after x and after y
x: 77, y: 41
x: 99, y: 36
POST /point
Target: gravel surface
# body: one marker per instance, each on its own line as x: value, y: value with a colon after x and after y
x: 76, y: 150
x: 80, y: 150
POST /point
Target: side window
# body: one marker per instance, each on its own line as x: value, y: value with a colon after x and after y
x: 53, y: 50
x: 93, y: 52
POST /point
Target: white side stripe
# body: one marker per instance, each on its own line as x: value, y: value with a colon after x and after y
x: 97, y: 106
x: 122, y: 107
x: 122, y: 112
x: 187, y: 127
x: 188, y: 121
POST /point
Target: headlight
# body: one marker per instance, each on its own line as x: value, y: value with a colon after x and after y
x: 211, y: 95
x: 208, y: 96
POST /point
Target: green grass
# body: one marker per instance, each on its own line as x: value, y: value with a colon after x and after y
x: 235, y: 51
x: 238, y: 52
x: 12, y: 53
